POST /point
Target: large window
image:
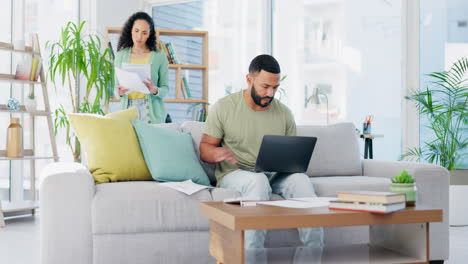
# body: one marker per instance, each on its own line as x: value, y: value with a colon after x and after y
x: 443, y: 40
x: 237, y: 31
x: 343, y: 62
x: 189, y: 50
x: 44, y: 17
x: 342, y: 58
x: 47, y: 21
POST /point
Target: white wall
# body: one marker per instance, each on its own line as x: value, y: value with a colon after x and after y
x: 457, y: 11
x: 114, y: 13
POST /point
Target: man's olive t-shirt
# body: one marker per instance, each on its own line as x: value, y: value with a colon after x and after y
x: 242, y: 129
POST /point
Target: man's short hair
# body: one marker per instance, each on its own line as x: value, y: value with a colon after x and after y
x: 264, y: 62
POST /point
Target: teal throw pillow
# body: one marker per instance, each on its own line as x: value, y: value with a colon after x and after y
x: 169, y: 154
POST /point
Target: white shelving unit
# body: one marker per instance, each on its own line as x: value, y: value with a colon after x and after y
x: 13, y: 208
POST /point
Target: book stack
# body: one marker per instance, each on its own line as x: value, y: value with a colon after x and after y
x: 172, y: 57
x: 198, y: 114
x: 185, y: 88
x: 369, y: 201
x: 28, y: 69
x: 170, y: 51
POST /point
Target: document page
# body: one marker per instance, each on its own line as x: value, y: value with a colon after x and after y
x: 316, y: 201
x: 309, y: 202
x: 131, y: 81
x: 143, y: 70
x: 187, y: 187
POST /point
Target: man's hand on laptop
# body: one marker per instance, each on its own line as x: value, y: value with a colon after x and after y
x: 223, y: 154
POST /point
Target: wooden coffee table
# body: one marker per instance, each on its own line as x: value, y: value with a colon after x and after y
x: 399, y: 237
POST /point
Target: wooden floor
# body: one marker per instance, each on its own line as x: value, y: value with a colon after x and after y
x: 19, y: 242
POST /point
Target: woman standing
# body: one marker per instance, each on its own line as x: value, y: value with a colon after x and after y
x: 137, y: 45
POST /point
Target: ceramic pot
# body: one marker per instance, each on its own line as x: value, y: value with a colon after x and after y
x: 30, y: 104
x: 458, y: 193
x: 409, y: 189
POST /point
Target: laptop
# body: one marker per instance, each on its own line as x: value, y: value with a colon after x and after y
x: 284, y: 154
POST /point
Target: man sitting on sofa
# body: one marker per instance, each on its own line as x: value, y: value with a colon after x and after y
x: 232, y: 136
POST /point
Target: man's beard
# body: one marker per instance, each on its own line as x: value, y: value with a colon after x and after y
x: 258, y: 99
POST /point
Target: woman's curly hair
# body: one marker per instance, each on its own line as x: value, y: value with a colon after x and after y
x: 125, y: 40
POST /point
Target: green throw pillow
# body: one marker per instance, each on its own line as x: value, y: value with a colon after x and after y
x: 169, y: 154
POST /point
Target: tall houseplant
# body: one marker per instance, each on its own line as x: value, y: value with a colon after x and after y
x: 445, y: 106
x: 78, y: 56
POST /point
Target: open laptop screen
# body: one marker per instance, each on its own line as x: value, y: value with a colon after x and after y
x: 285, y: 154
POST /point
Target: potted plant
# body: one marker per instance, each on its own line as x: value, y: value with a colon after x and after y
x: 30, y: 102
x: 76, y: 57
x: 404, y: 183
x: 445, y: 107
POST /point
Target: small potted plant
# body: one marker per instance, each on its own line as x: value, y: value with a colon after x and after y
x: 404, y: 183
x: 30, y: 102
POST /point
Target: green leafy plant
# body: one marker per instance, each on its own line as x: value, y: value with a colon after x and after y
x: 78, y: 56
x: 403, y: 177
x: 31, y: 92
x: 281, y: 90
x: 445, y: 106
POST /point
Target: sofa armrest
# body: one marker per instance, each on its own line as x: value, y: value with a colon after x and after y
x: 432, y: 184
x: 66, y: 192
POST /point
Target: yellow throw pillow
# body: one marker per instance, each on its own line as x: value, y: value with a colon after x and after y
x: 111, y: 146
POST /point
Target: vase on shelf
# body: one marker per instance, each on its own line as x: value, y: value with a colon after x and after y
x: 30, y: 104
x: 14, y: 144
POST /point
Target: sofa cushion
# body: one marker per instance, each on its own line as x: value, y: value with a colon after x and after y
x: 171, y: 126
x: 111, y: 145
x: 336, y: 152
x: 328, y: 186
x: 196, y: 129
x: 169, y: 154
x: 139, y: 207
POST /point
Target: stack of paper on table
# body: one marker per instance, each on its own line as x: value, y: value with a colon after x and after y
x: 308, y: 202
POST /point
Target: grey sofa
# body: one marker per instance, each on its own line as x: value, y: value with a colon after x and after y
x: 143, y: 222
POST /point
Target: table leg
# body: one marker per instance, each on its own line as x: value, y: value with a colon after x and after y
x: 226, y: 245
x: 371, y: 151
x: 366, y: 148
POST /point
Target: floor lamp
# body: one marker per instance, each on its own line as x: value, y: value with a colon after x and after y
x: 318, y: 91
